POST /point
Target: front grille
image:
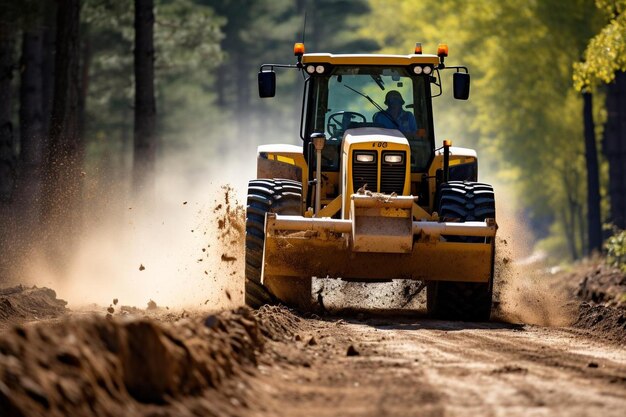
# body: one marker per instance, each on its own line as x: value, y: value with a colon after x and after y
x: 393, y: 176
x: 365, y: 173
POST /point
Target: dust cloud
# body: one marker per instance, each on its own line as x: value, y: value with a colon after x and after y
x: 182, y: 248
x: 173, y: 255
x: 525, y: 290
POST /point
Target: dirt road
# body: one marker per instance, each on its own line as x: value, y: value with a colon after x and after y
x: 276, y: 363
x: 438, y: 368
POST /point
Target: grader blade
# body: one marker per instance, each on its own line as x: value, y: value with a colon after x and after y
x: 379, y: 241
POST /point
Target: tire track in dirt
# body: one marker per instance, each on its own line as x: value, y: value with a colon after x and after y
x: 425, y: 367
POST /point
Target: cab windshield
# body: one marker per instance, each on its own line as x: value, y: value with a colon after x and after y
x: 385, y: 97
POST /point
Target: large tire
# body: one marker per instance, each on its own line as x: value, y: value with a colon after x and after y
x: 466, y: 301
x: 265, y: 195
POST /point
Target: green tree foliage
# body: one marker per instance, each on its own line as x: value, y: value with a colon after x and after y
x: 187, y: 37
x: 604, y: 64
x: 523, y: 115
x: 616, y: 250
x: 606, y: 53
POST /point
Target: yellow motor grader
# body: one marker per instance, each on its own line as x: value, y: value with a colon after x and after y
x: 369, y: 196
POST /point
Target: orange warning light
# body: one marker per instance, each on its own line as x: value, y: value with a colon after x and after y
x: 298, y: 49
x: 447, y: 143
x: 442, y: 49
x: 418, y: 48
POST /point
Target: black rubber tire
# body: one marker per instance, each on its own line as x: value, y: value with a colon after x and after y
x: 280, y: 196
x: 465, y: 301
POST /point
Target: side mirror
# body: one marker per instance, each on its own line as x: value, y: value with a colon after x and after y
x: 461, y: 85
x: 267, y: 84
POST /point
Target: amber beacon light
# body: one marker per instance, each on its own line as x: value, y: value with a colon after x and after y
x: 298, y: 49
x: 442, y: 50
x: 418, y: 48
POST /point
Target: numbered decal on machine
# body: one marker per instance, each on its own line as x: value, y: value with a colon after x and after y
x: 379, y: 144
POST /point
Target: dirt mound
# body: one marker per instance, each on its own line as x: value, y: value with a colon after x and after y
x: 278, y: 323
x: 610, y: 322
x: 130, y: 367
x: 603, y: 310
x: 19, y: 304
x: 603, y: 285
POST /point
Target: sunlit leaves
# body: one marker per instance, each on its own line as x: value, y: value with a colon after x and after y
x: 606, y: 53
x: 523, y: 115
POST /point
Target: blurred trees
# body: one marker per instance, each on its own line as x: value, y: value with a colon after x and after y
x: 604, y: 63
x: 263, y: 31
x: 75, y: 126
x: 31, y: 117
x: 62, y: 182
x: 523, y: 116
x: 145, y: 143
x: 7, y: 65
x: 594, y: 213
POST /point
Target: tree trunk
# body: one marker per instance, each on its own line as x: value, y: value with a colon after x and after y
x: 615, y: 148
x: 63, y: 168
x: 31, y: 125
x: 85, y: 65
x: 7, y: 147
x: 594, y: 224
x: 570, y: 236
x: 569, y: 213
x: 47, y: 64
x: 144, y: 159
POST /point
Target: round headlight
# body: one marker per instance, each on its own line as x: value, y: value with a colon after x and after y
x: 428, y: 70
x: 310, y: 69
x: 418, y: 70
x: 319, y: 69
x: 365, y: 157
x: 393, y: 159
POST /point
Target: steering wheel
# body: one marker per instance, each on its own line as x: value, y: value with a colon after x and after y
x: 339, y: 122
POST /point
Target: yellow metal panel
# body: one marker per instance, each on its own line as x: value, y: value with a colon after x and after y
x: 393, y: 212
x: 330, y: 187
x: 372, y: 232
x: 331, y: 209
x: 298, y: 256
x: 285, y: 159
x: 369, y: 59
x: 420, y: 214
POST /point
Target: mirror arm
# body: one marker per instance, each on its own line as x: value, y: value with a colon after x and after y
x: 272, y: 66
x: 458, y: 69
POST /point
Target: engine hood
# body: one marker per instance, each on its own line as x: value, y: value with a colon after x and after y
x: 372, y: 134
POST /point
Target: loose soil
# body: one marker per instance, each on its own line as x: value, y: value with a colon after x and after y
x: 603, y: 290
x: 21, y: 304
x: 274, y: 362
x: 158, y: 362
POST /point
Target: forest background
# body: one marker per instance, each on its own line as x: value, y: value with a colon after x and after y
x: 548, y: 90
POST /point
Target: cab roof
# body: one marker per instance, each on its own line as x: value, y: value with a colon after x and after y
x: 369, y: 59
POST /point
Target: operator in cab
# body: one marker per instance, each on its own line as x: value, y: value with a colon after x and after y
x: 395, y: 117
